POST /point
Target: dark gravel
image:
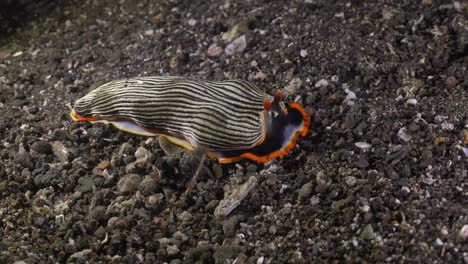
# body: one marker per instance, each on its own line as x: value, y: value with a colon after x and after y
x: 381, y: 177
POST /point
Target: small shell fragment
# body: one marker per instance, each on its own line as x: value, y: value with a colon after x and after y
x: 228, y: 204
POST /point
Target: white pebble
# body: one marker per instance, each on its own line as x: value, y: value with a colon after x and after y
x: 320, y: 83
x: 363, y: 145
x: 403, y: 134
x: 411, y: 102
x: 192, y: 22
x: 303, y: 53
x: 464, y: 232
x: 237, y: 46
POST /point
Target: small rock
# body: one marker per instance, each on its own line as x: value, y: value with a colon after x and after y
x: 192, y: 22
x: 403, y: 134
x: 368, y: 233
x: 172, y: 250
x: 441, y: 140
x: 363, y: 145
x: 411, y: 102
x: 60, y: 151
x: 46, y: 179
x: 321, y: 177
x: 148, y: 185
x: 405, y: 190
x: 303, y: 53
x: 361, y: 163
x: 211, y: 206
x: 444, y: 231
x: 98, y: 214
x: 129, y: 183
x: 217, y: 170
x: 214, y: 50
x: 180, y: 236
x: 149, y: 32
x: 294, y: 85
x: 80, y: 255
x: 260, y: 76
x: 350, y: 181
x: 230, y: 225
x: 232, y: 200
x: 237, y: 46
x: 465, y: 151
x: 427, y: 2
x: 387, y: 14
x: 452, y: 81
x: 463, y: 232
x: 428, y: 180
x: 42, y: 147
x: 439, y: 242
x: 23, y: 158
x: 305, y: 191
x: 85, y: 185
x: 464, y: 135
x: 350, y: 97
x: 321, y: 83
x: 235, y: 31
x: 141, y: 154
x: 154, y: 200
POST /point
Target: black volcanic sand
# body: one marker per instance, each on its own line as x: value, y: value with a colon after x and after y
x: 381, y: 176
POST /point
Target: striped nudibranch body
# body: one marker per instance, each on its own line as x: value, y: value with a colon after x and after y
x: 225, y: 118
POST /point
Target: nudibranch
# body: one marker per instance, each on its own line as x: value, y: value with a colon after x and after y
x: 229, y: 120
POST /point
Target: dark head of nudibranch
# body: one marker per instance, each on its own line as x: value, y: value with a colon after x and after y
x: 283, y: 125
x: 229, y: 120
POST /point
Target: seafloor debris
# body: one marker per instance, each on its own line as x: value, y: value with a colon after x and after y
x: 237, y: 46
x: 234, y: 198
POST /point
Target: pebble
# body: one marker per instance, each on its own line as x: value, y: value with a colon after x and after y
x: 60, y: 151
x: 321, y: 83
x: 361, y: 163
x: 294, y: 85
x: 235, y: 31
x: 464, y: 135
x: 367, y: 233
x: 260, y: 76
x: 154, y: 200
x: 148, y: 185
x: 211, y: 206
x: 42, y: 147
x: 192, y: 22
x: 98, y: 214
x: 403, y: 134
x: 305, y: 191
x: 180, y: 236
x: 321, y: 177
x: 237, y: 46
x: 463, y: 233
x: 405, y: 190
x: 303, y: 53
x: 172, y: 250
x: 85, y: 185
x: 214, y: 50
x: 363, y: 145
x: 411, y: 102
x: 217, y: 170
x: 23, y: 158
x: 129, y: 183
x: 350, y: 181
x: 233, y: 200
x: 229, y: 226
